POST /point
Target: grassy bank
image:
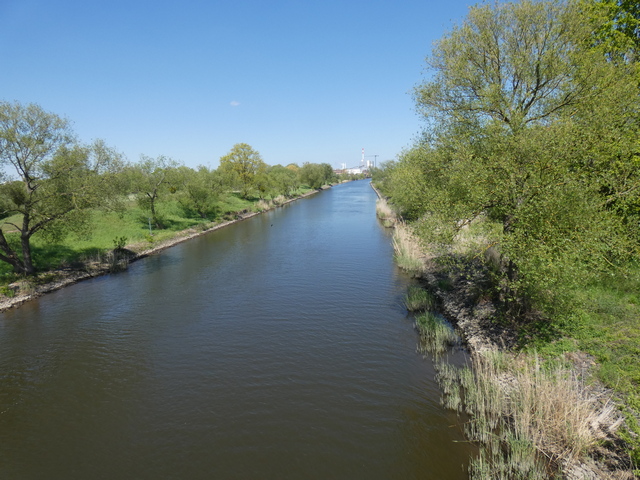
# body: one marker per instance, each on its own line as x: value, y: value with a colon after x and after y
x: 130, y: 230
x: 547, y: 404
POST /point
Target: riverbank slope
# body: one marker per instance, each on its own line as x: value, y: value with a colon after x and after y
x: 560, y: 418
x: 116, y: 260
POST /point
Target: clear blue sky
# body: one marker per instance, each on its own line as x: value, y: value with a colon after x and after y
x: 299, y: 80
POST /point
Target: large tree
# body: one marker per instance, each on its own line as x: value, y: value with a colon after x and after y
x: 617, y: 27
x: 151, y: 179
x: 241, y: 166
x: 316, y: 174
x: 285, y: 180
x: 198, y: 189
x: 51, y: 180
x: 531, y: 126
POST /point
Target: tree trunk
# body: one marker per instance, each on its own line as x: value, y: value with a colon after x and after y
x: 26, y: 254
x: 9, y: 256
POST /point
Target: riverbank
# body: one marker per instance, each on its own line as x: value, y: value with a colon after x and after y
x: 46, y: 282
x: 532, y: 417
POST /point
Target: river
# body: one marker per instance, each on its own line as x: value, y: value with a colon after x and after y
x: 275, y: 348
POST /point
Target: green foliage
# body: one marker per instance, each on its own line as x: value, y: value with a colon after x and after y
x: 7, y: 291
x: 151, y: 179
x: 535, y: 130
x: 316, y: 174
x: 419, y: 299
x: 53, y: 181
x: 616, y: 27
x: 119, y: 242
x: 241, y: 167
x: 284, y: 179
x: 198, y: 190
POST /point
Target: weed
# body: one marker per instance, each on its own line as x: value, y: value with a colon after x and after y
x: 385, y: 213
x: 279, y: 200
x: 262, y: 205
x: 528, y: 415
x: 436, y: 334
x: 8, y: 291
x: 418, y: 299
x: 408, y: 251
x: 120, y: 242
x: 117, y: 260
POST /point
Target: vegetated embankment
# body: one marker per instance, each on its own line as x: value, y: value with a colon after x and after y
x: 531, y: 417
x: 115, y: 260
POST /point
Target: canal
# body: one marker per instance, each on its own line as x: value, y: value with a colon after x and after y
x: 275, y: 348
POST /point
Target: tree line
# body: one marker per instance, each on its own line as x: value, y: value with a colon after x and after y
x: 532, y: 139
x: 51, y: 182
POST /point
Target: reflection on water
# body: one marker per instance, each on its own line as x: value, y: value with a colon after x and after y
x: 275, y: 348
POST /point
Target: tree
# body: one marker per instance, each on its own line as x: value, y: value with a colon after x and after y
x: 516, y: 137
x: 151, y: 181
x: 616, y: 27
x: 316, y: 174
x: 52, y: 181
x: 312, y: 175
x: 515, y: 64
x: 284, y: 179
x: 329, y: 174
x: 241, y: 166
x: 199, y: 189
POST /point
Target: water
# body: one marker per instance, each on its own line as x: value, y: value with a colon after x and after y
x: 271, y: 349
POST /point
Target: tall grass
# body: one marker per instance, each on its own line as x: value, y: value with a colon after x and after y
x: 436, y: 335
x: 408, y: 250
x: 530, y: 417
x: 263, y: 205
x: 279, y: 200
x: 418, y: 299
x: 385, y: 213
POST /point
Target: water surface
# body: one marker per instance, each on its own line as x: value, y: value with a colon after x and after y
x: 275, y: 348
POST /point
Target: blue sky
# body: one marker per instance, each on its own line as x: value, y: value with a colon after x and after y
x: 299, y: 81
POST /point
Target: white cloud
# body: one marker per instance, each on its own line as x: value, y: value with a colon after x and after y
x: 234, y: 103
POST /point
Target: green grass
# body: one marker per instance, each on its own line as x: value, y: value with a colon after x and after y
x: 106, y: 227
x: 418, y: 299
x: 606, y: 325
x: 436, y: 335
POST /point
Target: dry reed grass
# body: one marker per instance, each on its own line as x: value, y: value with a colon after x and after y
x: 529, y: 416
x: 408, y: 250
x: 385, y: 213
x: 262, y: 205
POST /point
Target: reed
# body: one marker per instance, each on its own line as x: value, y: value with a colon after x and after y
x: 436, y: 335
x: 419, y: 299
x: 117, y: 260
x: 408, y: 250
x: 263, y: 205
x: 385, y: 213
x: 528, y: 416
x: 279, y: 200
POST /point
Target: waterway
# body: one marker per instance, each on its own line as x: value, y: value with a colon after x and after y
x: 275, y: 348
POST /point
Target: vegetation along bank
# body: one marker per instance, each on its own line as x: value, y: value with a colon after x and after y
x: 69, y: 211
x: 518, y: 210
